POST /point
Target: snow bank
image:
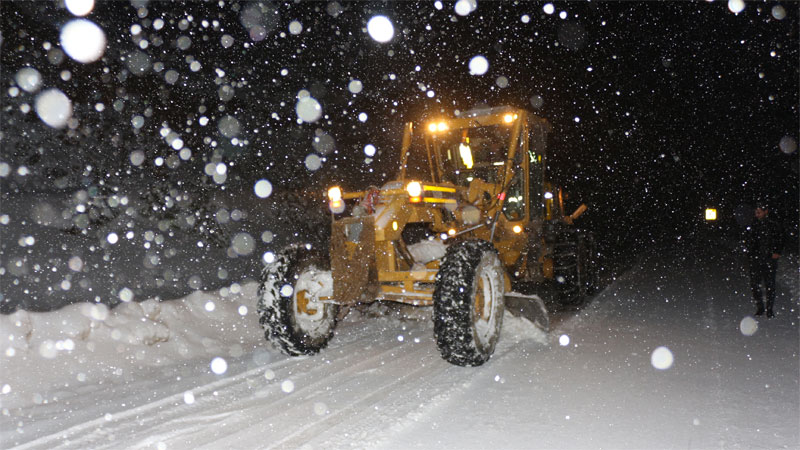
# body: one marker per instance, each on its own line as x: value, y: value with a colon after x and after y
x: 89, y: 344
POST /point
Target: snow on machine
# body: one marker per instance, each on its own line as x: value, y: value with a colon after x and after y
x: 470, y: 213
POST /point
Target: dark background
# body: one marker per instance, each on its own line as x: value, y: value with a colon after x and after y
x: 679, y: 105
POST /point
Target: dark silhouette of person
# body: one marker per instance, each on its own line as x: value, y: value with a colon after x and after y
x: 763, y: 243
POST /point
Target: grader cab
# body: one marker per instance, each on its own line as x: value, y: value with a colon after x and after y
x: 470, y: 215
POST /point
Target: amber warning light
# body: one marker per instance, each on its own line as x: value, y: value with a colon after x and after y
x: 335, y: 202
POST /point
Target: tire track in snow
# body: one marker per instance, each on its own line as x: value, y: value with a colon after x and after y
x: 173, y: 409
x: 366, y: 404
x: 393, y: 410
x: 63, y: 437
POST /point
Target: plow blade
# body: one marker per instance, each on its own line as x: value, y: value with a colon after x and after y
x: 530, y: 307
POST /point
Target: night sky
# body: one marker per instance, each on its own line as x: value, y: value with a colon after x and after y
x: 658, y: 108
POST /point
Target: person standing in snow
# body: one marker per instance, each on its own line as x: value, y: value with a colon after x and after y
x: 763, y: 243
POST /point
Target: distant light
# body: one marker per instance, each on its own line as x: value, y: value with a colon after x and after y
x: 369, y: 150
x: 548, y: 195
x: 517, y: 229
x: 380, y: 28
x: 451, y: 231
x: 711, y: 214
x: 549, y: 8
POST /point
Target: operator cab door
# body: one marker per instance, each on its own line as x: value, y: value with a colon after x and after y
x: 515, y: 206
x: 537, y: 139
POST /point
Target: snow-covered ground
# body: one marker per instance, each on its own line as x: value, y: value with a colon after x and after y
x: 666, y: 356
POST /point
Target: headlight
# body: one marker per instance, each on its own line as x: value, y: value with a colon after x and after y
x: 334, y: 194
x: 433, y: 127
x: 508, y: 118
x: 414, y: 189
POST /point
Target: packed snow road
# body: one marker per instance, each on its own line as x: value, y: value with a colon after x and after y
x: 666, y: 356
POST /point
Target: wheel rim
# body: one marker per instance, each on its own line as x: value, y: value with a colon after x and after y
x: 485, y: 306
x: 303, y: 300
x: 310, y: 313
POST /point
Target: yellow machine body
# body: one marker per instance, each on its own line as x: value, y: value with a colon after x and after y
x: 480, y: 176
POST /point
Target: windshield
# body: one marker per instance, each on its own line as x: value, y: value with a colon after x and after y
x: 471, y: 153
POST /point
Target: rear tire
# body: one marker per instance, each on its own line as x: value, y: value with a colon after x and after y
x: 575, y: 265
x: 566, y: 267
x: 468, y: 303
x: 288, y: 307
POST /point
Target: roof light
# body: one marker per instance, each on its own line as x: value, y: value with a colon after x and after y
x: 335, y: 193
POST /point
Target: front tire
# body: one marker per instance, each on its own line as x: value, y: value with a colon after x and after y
x: 290, y: 309
x: 468, y: 303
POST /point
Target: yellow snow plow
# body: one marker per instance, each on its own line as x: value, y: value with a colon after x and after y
x: 469, y: 215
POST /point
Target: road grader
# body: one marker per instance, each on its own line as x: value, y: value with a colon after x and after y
x: 470, y: 215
